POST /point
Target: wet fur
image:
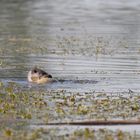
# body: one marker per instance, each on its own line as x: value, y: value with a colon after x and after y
x: 38, y: 76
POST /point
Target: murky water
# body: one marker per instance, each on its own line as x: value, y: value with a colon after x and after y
x: 72, y: 40
x: 87, y: 45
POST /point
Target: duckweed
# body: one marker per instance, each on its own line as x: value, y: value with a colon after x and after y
x: 102, y: 134
x: 22, y: 107
x: 83, y: 133
x: 18, y: 104
x: 8, y: 132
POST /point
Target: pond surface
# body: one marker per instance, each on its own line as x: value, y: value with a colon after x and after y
x: 72, y: 40
x: 88, y: 46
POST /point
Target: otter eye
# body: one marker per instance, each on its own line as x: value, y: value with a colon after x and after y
x: 35, y: 71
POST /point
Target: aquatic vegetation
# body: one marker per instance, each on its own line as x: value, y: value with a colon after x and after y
x: 83, y: 133
x: 21, y: 108
x: 103, y: 134
x: 18, y: 134
x: 90, y: 45
x: 79, y: 40
x: 93, y: 106
x: 17, y: 104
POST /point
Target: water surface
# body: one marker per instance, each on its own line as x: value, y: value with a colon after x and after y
x: 88, y: 46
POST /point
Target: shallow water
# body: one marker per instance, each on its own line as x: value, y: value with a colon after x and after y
x: 87, y: 46
x: 85, y: 40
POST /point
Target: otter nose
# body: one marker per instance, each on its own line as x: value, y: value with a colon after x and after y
x: 49, y: 76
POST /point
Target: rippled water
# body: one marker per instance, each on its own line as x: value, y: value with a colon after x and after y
x: 73, y: 40
x: 87, y: 45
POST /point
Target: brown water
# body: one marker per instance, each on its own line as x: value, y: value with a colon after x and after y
x: 87, y: 45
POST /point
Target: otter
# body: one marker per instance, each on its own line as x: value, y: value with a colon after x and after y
x: 38, y: 76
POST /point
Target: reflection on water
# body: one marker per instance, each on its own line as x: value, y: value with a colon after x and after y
x: 73, y: 40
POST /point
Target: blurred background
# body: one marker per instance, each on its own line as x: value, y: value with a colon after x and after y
x: 74, y: 40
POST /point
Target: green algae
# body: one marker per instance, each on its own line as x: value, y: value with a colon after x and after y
x: 85, y: 133
x: 62, y: 105
x: 22, y: 107
x: 17, y: 104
